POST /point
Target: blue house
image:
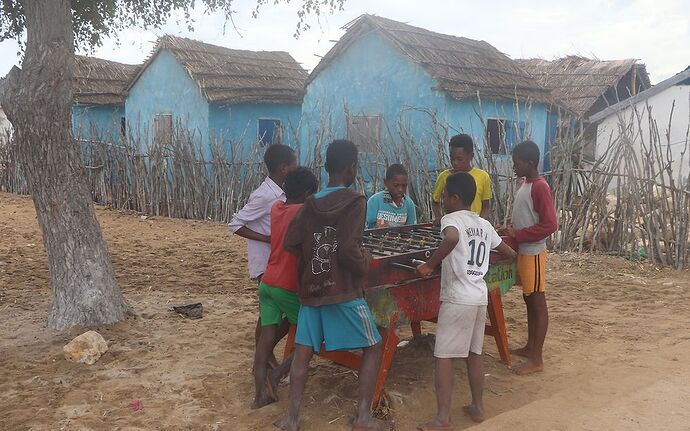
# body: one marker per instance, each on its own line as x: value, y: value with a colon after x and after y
x: 98, y: 112
x: 390, y: 86
x: 240, y: 99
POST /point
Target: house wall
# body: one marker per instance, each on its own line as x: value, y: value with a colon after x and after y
x: 237, y: 125
x: 660, y: 105
x: 166, y: 88
x: 373, y: 78
x: 5, y: 128
x: 96, y: 122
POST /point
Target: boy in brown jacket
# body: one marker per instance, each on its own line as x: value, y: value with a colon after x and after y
x: 326, y: 234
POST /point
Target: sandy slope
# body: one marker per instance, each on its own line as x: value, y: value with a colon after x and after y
x: 617, y: 351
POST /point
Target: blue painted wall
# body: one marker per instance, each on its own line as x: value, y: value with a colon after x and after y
x: 101, y: 123
x: 166, y: 88
x: 238, y: 124
x: 373, y: 78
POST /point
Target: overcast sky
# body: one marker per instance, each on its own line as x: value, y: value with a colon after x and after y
x: 657, y: 32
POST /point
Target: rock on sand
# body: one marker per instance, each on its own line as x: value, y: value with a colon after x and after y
x: 86, y: 348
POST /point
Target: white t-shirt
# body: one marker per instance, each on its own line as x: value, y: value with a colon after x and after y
x: 463, y: 270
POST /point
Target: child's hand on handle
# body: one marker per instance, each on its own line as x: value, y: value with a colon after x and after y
x: 506, y: 231
x: 425, y: 269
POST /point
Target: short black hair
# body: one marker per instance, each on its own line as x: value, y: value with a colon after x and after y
x: 462, y: 185
x: 527, y: 151
x: 340, y: 154
x: 395, y: 169
x: 300, y: 181
x: 463, y: 141
x: 277, y: 155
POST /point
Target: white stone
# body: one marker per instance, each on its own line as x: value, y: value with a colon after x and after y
x: 86, y: 348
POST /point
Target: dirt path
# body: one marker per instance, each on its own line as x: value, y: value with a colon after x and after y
x: 616, y: 351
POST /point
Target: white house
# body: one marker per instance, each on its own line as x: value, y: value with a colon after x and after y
x: 655, y: 103
x: 5, y: 128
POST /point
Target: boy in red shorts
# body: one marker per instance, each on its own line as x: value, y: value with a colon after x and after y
x: 534, y: 220
x: 278, y: 287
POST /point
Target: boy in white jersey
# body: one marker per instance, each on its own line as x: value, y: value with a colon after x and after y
x: 467, y: 241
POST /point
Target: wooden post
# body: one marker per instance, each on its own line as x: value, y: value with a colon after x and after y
x: 497, y: 329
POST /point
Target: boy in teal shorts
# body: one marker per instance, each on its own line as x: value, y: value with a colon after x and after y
x: 326, y: 234
x: 278, y: 288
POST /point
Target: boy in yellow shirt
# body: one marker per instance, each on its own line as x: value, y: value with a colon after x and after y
x: 461, y: 154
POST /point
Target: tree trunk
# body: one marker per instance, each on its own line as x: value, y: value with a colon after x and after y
x: 38, y: 102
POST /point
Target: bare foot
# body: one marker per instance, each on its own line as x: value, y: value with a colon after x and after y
x: 528, y: 367
x: 434, y: 425
x: 286, y: 424
x: 522, y: 351
x: 371, y: 424
x: 264, y: 400
x: 475, y: 413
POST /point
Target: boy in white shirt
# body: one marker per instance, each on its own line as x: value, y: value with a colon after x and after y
x: 467, y: 242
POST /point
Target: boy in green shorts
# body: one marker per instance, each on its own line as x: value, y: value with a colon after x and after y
x: 278, y: 288
x: 461, y: 154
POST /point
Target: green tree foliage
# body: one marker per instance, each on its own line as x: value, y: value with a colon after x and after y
x: 95, y: 20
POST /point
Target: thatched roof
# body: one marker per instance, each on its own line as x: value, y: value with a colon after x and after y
x: 584, y: 85
x: 233, y: 76
x: 101, y: 82
x: 462, y: 67
x: 682, y: 78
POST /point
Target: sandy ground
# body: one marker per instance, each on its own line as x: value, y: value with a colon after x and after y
x: 616, y: 354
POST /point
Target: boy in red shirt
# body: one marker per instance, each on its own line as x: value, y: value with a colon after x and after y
x: 278, y: 288
x: 534, y: 220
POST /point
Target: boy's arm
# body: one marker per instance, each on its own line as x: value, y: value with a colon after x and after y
x: 436, y: 198
x: 411, y: 211
x: 486, y: 209
x: 292, y: 242
x: 506, y: 251
x: 350, y: 252
x: 372, y: 212
x: 487, y: 194
x: 451, y: 236
x: 247, y: 233
x: 254, y: 209
x: 436, y: 209
x: 543, y: 206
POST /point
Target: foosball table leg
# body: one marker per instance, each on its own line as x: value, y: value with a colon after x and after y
x: 390, y: 344
x: 498, y: 325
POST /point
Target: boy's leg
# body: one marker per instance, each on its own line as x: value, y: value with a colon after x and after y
x: 475, y: 375
x: 529, y: 345
x: 308, y: 339
x: 298, y: 381
x: 536, y: 303
x: 443, y: 383
x: 368, y: 369
x: 264, y: 391
x: 475, y: 366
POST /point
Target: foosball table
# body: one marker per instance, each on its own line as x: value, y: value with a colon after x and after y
x: 398, y: 297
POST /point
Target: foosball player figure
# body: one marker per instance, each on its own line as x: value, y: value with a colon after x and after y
x: 464, y: 250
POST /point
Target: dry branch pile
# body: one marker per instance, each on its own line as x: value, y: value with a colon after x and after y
x: 627, y: 201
